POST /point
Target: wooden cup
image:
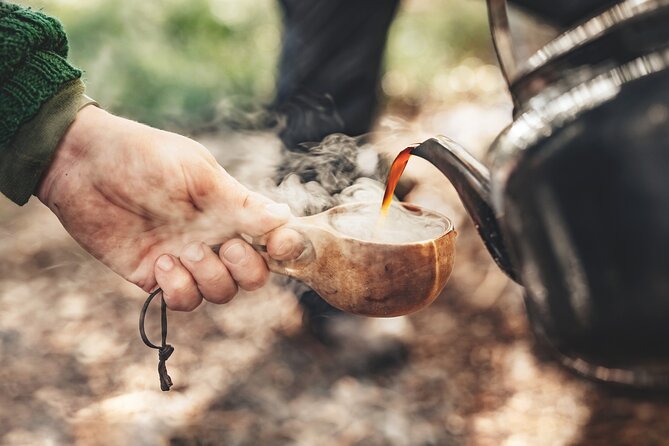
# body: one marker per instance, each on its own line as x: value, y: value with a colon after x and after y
x: 366, y: 277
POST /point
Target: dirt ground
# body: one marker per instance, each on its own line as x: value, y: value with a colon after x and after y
x: 74, y: 371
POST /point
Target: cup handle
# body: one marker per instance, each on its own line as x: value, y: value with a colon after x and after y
x: 292, y: 268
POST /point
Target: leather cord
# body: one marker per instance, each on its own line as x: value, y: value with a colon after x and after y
x: 165, y: 350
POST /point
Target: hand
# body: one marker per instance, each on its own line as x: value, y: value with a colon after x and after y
x: 149, y: 204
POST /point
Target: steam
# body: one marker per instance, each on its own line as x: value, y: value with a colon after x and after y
x: 338, y: 170
x: 402, y: 225
x: 343, y: 170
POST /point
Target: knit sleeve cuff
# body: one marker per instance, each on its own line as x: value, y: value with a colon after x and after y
x: 30, y: 151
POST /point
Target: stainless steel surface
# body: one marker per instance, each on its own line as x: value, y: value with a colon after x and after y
x: 587, y: 32
x: 574, y: 206
x: 501, y: 37
x: 553, y: 109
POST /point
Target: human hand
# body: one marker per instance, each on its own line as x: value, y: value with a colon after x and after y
x: 149, y: 204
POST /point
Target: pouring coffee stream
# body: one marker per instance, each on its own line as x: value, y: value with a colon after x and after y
x: 396, y: 170
x: 472, y: 182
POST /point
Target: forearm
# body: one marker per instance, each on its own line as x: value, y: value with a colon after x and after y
x: 40, y: 93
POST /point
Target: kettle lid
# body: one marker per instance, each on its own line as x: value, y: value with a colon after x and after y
x: 539, y: 43
x: 520, y: 28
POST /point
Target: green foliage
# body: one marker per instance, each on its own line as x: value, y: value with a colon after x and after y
x: 170, y: 63
x: 431, y: 37
x: 176, y: 62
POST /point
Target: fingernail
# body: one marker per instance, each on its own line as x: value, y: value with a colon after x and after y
x: 194, y: 252
x: 278, y: 210
x: 165, y: 262
x: 284, y: 248
x: 235, y: 253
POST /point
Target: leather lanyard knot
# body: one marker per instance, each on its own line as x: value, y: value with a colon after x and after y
x: 165, y: 350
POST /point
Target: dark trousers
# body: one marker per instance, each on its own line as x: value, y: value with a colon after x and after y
x: 330, y: 66
x: 332, y: 54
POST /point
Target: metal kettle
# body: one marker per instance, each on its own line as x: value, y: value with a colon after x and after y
x: 573, y: 202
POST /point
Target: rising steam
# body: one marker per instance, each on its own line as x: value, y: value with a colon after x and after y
x: 340, y: 169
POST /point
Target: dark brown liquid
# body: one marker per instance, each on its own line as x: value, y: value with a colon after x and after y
x: 394, y: 176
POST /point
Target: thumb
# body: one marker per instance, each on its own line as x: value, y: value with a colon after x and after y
x: 259, y: 215
x: 246, y: 211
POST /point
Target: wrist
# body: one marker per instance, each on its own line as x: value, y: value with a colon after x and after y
x: 70, y: 150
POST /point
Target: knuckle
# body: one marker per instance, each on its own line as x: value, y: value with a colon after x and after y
x: 185, y: 299
x: 192, y: 304
x: 214, y: 276
x: 178, y: 303
x: 252, y: 200
x: 255, y: 281
x: 223, y: 296
x: 266, y: 221
x: 204, y: 185
x: 247, y: 200
x: 182, y: 286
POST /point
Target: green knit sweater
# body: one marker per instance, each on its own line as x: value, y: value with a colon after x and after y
x: 40, y: 93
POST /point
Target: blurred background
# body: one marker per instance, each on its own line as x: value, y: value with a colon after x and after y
x: 184, y: 63
x: 74, y: 371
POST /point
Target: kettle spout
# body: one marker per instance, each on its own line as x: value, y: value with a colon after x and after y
x: 471, y: 180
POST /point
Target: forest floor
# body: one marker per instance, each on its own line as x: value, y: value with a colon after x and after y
x: 74, y: 371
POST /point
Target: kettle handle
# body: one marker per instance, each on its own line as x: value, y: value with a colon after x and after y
x: 501, y: 38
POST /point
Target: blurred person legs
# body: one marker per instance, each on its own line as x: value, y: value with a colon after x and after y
x: 330, y: 67
x: 329, y: 73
